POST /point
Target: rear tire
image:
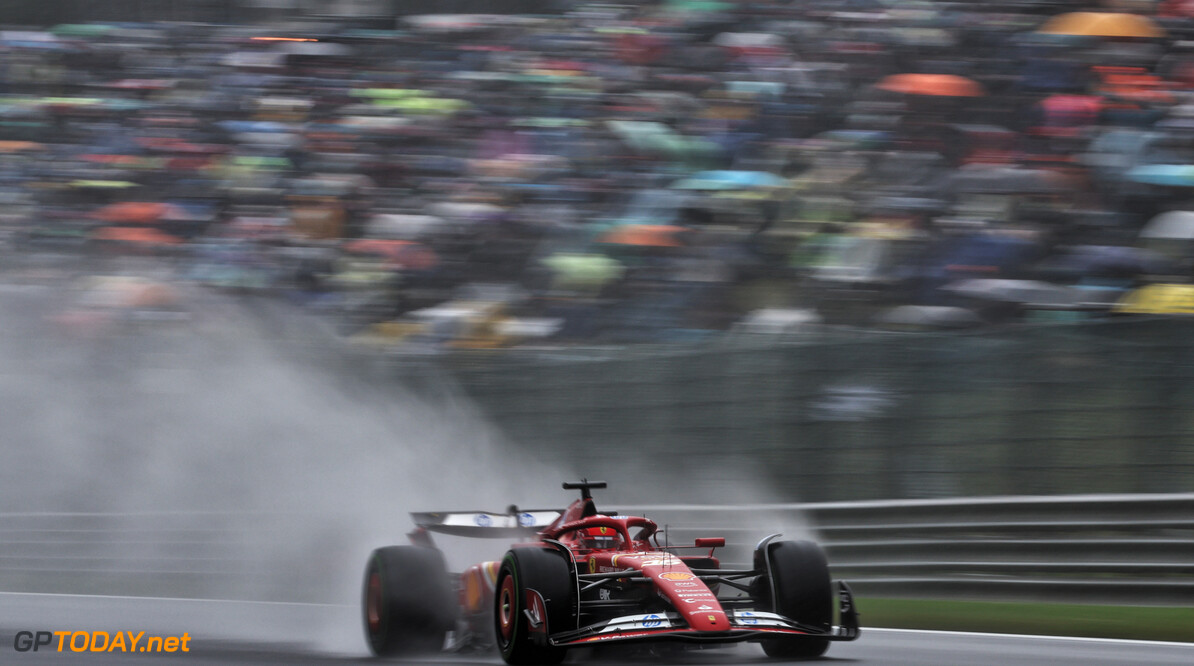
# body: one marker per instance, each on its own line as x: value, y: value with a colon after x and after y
x: 804, y: 593
x: 548, y: 573
x: 408, y: 601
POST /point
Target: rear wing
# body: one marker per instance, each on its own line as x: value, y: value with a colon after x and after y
x: 486, y: 524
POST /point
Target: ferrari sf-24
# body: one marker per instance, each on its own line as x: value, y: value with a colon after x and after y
x: 583, y: 578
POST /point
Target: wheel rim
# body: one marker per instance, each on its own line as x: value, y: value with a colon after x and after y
x: 507, y: 609
x: 373, y: 602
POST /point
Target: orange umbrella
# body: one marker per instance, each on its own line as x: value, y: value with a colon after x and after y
x: 134, y: 212
x: 936, y: 85
x: 407, y: 254
x: 138, y: 235
x: 1102, y: 24
x: 111, y: 159
x: 18, y: 146
x: 644, y: 235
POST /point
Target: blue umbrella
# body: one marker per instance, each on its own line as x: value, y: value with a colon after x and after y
x: 254, y: 127
x: 864, y: 139
x: 1173, y: 175
x: 730, y: 180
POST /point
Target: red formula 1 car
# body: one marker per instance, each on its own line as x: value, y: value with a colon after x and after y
x: 582, y: 578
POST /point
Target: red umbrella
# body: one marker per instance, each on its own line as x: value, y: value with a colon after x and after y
x: 406, y: 254
x: 137, y: 235
x: 136, y: 212
x: 644, y: 235
x: 933, y: 85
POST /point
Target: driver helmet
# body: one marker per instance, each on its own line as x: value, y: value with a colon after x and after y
x: 599, y: 538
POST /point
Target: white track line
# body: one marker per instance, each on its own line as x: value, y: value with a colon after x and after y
x: 176, y: 599
x: 1123, y: 641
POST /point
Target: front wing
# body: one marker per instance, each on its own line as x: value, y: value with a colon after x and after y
x: 745, y: 625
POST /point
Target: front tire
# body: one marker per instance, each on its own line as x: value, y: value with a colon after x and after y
x: 803, y: 592
x: 408, y: 601
x: 548, y: 573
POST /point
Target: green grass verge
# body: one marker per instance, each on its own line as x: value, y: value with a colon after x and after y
x: 1140, y: 622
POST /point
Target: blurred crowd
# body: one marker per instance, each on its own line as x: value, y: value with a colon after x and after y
x: 648, y: 172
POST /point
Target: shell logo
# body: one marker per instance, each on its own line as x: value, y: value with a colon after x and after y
x: 676, y: 575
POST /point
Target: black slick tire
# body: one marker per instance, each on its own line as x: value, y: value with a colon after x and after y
x: 548, y: 573
x: 804, y: 593
x: 408, y: 601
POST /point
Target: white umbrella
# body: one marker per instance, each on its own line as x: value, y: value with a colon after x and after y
x: 254, y: 59
x: 271, y: 139
x: 401, y: 227
x: 463, y: 210
x: 928, y: 316
x: 1174, y: 225
x: 320, y: 49
x: 375, y: 123
x: 749, y: 40
x: 1027, y: 292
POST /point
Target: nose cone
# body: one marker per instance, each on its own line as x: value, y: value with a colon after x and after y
x: 688, y: 593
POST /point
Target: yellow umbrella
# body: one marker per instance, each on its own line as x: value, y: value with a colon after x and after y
x: 1101, y: 24
x: 1159, y: 299
x: 102, y: 184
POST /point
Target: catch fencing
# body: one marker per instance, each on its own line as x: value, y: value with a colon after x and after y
x: 1136, y: 549
x: 853, y: 415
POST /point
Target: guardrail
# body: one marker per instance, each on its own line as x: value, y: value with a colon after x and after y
x: 1123, y: 549
x: 223, y: 555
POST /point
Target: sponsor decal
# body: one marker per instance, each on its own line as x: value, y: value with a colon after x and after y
x: 606, y: 637
x: 491, y: 572
x: 677, y: 575
x: 483, y: 520
x: 747, y: 617
x: 712, y: 619
x: 592, y: 565
x: 689, y: 584
x: 652, y: 620
x: 649, y: 559
x: 526, y: 519
x: 703, y: 607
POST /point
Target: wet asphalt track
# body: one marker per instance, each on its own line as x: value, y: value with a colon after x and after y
x: 234, y: 633
x: 893, y: 648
